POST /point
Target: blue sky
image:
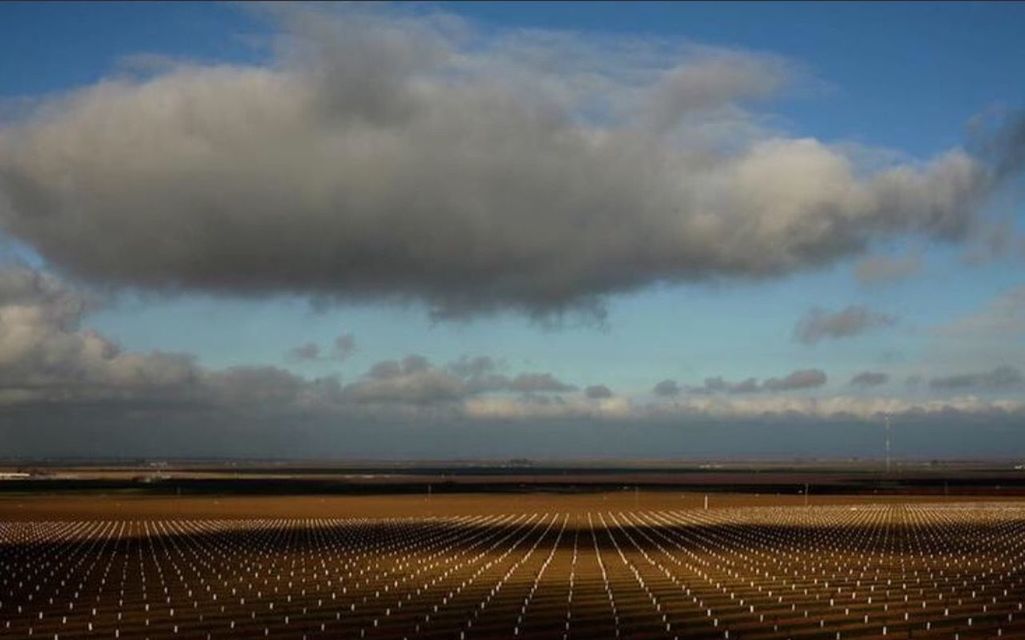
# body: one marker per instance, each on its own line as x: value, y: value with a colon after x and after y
x: 902, y: 82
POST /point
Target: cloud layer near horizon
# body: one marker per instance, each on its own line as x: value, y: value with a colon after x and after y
x: 49, y: 360
x: 378, y: 156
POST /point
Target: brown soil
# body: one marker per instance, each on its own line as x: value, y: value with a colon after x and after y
x: 128, y: 506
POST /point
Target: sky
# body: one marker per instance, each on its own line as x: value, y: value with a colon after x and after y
x: 496, y: 230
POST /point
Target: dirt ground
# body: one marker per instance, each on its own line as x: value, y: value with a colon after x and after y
x: 129, y: 506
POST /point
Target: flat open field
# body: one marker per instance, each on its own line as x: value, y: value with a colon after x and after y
x: 147, y: 506
x: 596, y: 565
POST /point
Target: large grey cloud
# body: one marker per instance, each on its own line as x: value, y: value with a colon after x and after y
x: 820, y: 324
x: 381, y: 156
